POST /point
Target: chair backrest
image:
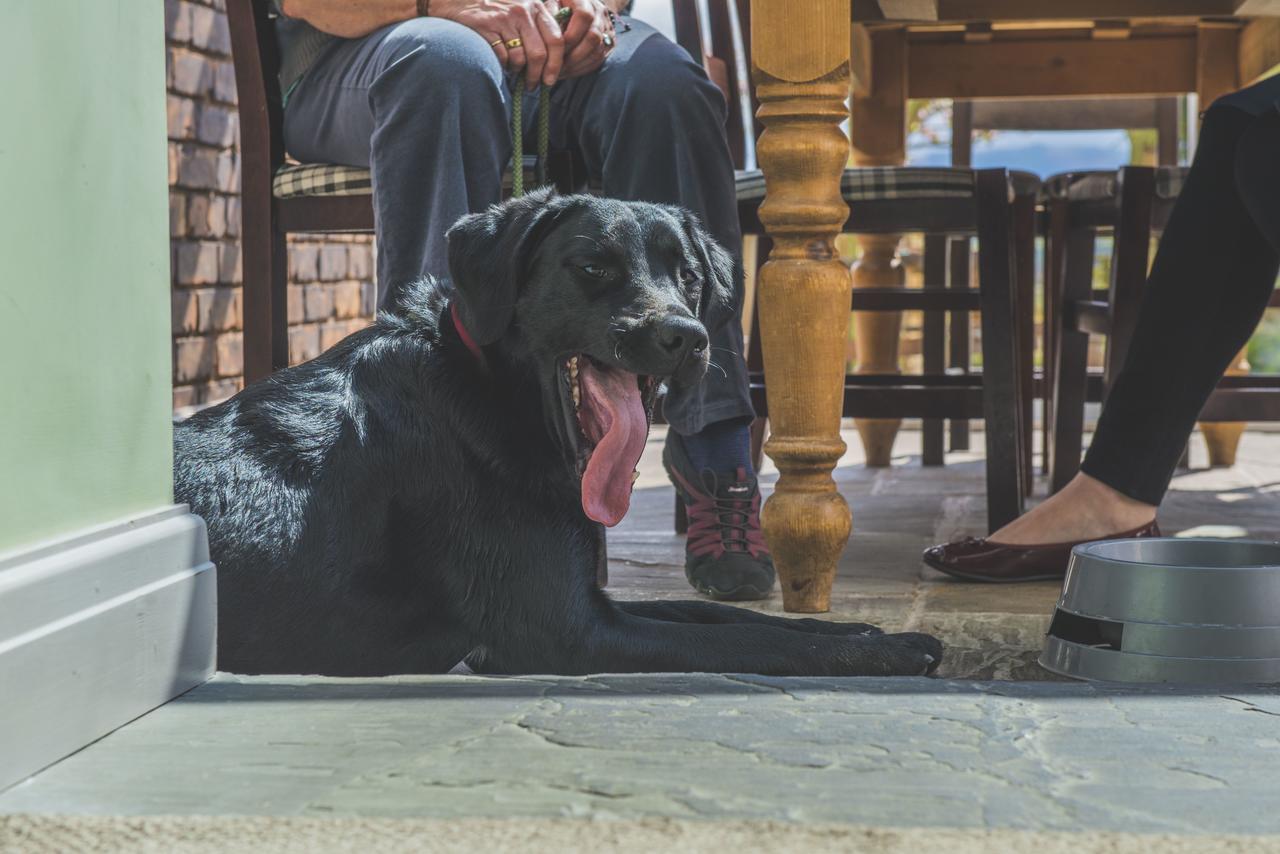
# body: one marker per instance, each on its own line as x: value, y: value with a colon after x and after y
x: 716, y: 33
x: 257, y: 66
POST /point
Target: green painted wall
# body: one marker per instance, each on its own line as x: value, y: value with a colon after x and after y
x: 85, y: 432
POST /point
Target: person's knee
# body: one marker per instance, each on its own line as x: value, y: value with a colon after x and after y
x: 433, y: 57
x: 660, y: 78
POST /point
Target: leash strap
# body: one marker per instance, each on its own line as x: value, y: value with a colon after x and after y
x: 544, y: 125
x: 517, y: 165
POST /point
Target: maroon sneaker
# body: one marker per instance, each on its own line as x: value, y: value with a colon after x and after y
x: 725, y: 555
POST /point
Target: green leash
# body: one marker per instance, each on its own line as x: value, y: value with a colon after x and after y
x: 544, y: 125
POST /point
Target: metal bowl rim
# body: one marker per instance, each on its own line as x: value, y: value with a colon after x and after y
x: 1086, y: 553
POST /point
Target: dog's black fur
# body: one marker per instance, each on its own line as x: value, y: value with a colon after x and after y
x: 396, y: 505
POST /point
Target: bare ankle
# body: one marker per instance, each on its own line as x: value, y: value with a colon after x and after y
x: 1108, y: 502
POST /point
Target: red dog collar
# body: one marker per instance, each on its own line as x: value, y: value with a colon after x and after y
x: 465, y: 335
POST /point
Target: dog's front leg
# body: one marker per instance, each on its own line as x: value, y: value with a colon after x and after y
x: 623, y: 643
x: 692, y: 611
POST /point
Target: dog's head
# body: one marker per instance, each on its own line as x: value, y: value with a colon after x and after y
x: 602, y: 301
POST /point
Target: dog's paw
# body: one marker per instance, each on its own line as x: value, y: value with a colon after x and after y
x: 907, y: 654
x: 927, y: 645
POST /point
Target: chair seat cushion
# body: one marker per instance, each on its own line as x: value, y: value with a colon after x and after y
x: 880, y: 183
x: 331, y: 179
x: 320, y: 179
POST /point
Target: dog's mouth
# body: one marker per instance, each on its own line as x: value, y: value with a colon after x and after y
x: 608, y: 411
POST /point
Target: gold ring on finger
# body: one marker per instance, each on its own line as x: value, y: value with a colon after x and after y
x: 514, y: 43
x: 496, y: 42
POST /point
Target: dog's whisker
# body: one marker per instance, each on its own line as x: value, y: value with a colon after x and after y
x: 712, y: 364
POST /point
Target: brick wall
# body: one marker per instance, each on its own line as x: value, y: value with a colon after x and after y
x: 331, y: 292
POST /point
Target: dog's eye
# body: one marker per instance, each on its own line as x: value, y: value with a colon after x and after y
x: 595, y: 271
x: 688, y: 276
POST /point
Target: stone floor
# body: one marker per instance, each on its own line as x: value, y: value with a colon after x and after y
x: 991, y: 631
x: 887, y: 752
x: 852, y: 764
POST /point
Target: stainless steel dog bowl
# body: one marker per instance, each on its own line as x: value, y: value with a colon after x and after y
x: 1169, y: 610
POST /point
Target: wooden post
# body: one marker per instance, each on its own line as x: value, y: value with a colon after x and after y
x: 1217, y: 73
x: 801, y: 72
x: 878, y: 134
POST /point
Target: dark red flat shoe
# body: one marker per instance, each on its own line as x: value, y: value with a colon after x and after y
x: 977, y: 559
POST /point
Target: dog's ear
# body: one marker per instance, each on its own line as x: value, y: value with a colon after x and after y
x: 489, y: 254
x: 721, y: 274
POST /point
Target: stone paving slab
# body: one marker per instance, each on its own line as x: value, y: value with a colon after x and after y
x: 888, y: 752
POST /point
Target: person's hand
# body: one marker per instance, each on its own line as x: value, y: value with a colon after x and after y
x: 588, y: 37
x: 539, y: 47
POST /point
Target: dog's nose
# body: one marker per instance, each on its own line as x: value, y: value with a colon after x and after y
x: 681, y: 336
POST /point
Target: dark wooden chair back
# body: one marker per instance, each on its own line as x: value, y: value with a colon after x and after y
x: 716, y: 33
x: 257, y: 68
x: 265, y: 255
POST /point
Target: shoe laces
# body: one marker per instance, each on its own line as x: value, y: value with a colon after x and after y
x: 725, y: 524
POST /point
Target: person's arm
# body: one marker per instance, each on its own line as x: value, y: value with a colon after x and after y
x: 538, y: 48
x: 351, y: 20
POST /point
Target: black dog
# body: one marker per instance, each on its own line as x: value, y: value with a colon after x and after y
x: 434, y: 487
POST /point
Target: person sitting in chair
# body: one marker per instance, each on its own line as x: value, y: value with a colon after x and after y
x: 1213, y: 275
x: 420, y: 92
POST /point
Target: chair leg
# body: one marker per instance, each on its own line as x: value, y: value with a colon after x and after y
x: 1024, y: 229
x: 958, y: 277
x: 758, y: 429
x: 755, y: 355
x: 1071, y: 371
x: 266, y: 279
x: 1054, y: 250
x: 934, y: 344
x: 1001, y: 384
x: 1129, y: 263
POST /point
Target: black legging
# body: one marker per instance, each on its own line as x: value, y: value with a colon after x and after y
x: 1212, y: 277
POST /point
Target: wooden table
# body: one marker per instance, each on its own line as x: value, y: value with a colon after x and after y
x: 807, y: 58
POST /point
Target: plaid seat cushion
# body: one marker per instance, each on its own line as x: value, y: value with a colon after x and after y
x: 330, y: 179
x: 881, y: 183
x: 1102, y: 185
x: 320, y: 179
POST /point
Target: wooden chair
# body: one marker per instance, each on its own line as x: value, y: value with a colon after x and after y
x: 1060, y: 114
x: 947, y: 264
x: 894, y: 200
x: 1133, y: 205
x: 279, y: 198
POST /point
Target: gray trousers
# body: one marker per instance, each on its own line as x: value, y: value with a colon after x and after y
x: 426, y: 106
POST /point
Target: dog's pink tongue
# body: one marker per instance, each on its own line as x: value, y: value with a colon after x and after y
x: 613, y: 419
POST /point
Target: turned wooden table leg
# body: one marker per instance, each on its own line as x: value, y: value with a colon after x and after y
x: 801, y: 72
x: 878, y: 135
x: 1223, y: 437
